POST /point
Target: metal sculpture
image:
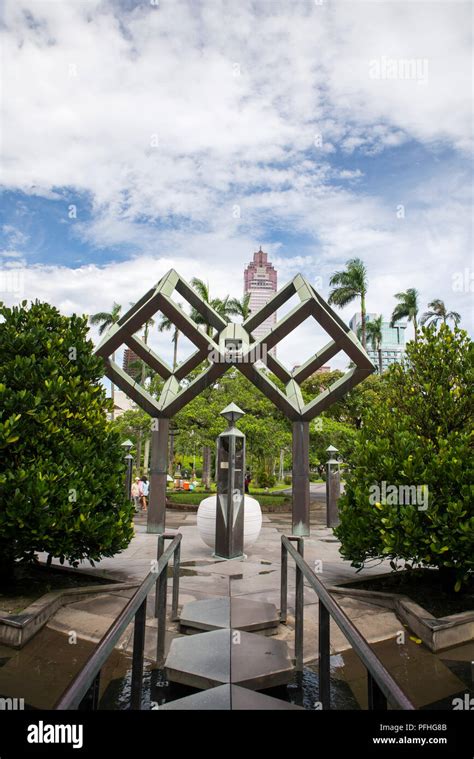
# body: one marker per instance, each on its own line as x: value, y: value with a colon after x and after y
x: 233, y: 345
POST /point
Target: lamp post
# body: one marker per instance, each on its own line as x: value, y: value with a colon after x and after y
x: 129, y: 462
x: 333, y: 487
x: 230, y: 488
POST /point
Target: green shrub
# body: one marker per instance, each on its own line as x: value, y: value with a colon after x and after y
x: 419, y: 436
x: 62, y: 468
x: 265, y: 480
x: 287, y: 479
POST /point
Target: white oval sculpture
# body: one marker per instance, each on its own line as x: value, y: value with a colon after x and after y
x: 206, y: 520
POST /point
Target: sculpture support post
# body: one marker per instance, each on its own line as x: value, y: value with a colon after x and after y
x: 300, y: 479
x: 158, y: 476
x: 333, y: 488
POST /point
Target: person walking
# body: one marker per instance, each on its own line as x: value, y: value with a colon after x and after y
x: 135, y: 493
x: 247, y: 481
x: 144, y: 490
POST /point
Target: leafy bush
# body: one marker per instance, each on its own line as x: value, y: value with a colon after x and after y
x: 331, y: 432
x: 287, y: 479
x: 418, y: 435
x: 265, y: 480
x: 62, y: 468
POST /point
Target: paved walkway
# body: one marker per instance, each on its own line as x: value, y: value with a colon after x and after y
x: 257, y: 578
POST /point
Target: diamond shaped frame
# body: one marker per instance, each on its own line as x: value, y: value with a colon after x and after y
x: 159, y: 298
x: 173, y: 398
x: 311, y: 304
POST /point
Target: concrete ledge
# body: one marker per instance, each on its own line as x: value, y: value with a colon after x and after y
x: 436, y: 633
x: 17, y: 629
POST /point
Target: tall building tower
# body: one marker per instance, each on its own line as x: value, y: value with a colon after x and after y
x: 260, y: 280
x: 393, y: 340
x: 130, y: 364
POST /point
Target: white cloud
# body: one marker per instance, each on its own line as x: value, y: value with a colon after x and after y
x: 162, y: 110
x: 168, y: 118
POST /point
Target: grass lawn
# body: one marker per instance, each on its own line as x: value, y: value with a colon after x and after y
x: 265, y: 500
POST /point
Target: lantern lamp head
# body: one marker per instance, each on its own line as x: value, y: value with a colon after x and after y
x: 232, y: 413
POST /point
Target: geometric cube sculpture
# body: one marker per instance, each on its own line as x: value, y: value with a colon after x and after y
x: 233, y: 345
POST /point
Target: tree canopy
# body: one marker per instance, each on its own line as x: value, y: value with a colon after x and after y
x: 418, y: 435
x: 62, y: 468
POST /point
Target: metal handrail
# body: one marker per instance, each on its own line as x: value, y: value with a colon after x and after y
x: 381, y: 684
x: 87, y: 681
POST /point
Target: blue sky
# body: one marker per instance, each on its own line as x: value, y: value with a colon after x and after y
x: 188, y: 134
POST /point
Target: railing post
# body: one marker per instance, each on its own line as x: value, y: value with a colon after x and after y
x: 299, y: 611
x: 90, y: 702
x: 176, y: 567
x: 376, y: 699
x: 138, y: 653
x: 284, y: 584
x: 324, y: 657
x: 160, y: 605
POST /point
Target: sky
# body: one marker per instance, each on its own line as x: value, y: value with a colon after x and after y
x: 139, y: 136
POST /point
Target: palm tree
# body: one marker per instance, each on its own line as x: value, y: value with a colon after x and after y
x: 240, y: 307
x: 438, y: 313
x: 406, y: 308
x: 223, y: 308
x: 349, y: 284
x: 221, y: 305
x: 141, y: 365
x: 142, y: 368
x: 165, y: 325
x: 105, y: 320
x: 374, y: 336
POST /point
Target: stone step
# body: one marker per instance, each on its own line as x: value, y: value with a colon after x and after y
x: 231, y: 656
x: 229, y: 697
x: 236, y: 613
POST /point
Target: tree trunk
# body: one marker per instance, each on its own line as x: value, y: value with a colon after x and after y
x: 206, y: 467
x: 139, y: 452
x: 112, y: 392
x: 175, y: 349
x: 380, y: 361
x: 415, y: 327
x: 362, y: 320
x: 146, y: 456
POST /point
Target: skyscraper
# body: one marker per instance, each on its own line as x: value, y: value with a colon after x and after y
x: 130, y: 364
x: 260, y: 280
